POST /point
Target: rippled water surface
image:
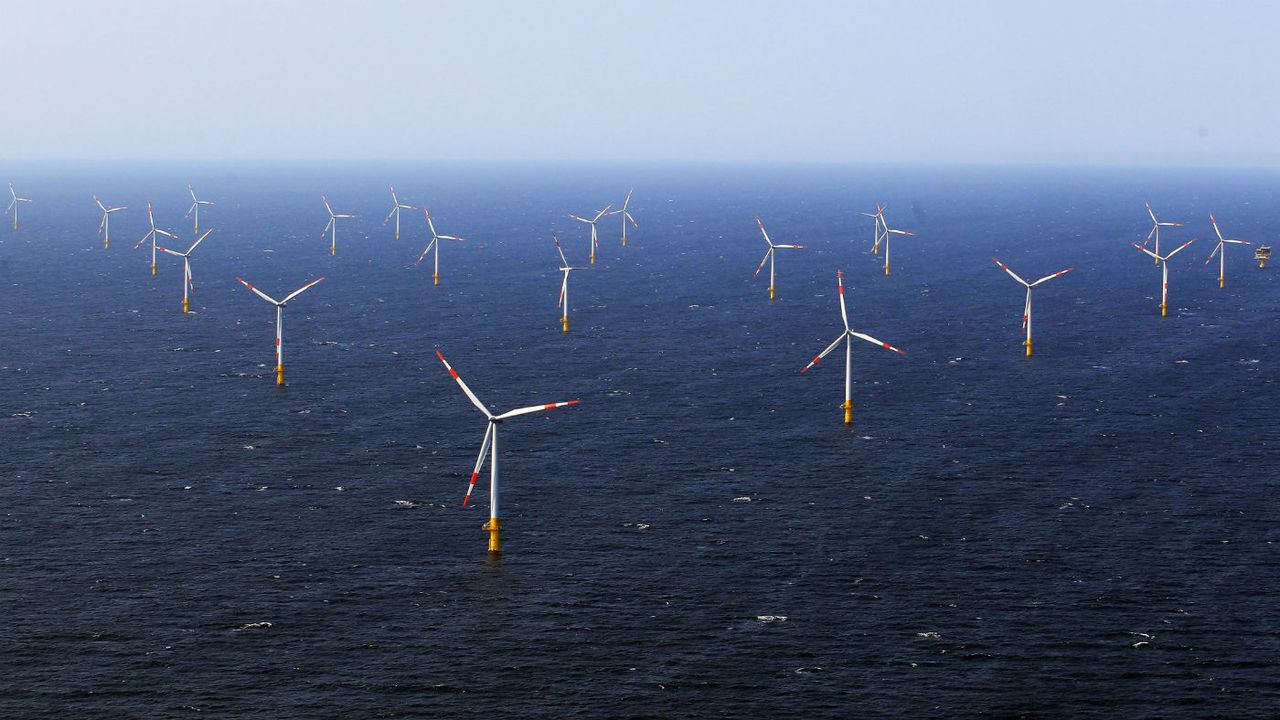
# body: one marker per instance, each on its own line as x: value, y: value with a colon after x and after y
x: 1089, y: 533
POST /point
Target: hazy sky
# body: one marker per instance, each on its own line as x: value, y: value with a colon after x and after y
x: 1150, y: 83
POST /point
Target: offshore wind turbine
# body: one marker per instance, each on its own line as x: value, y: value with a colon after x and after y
x: 626, y: 216
x: 104, y: 227
x: 188, y: 284
x: 878, y: 229
x: 396, y: 207
x: 13, y: 205
x: 332, y: 226
x: 1155, y: 228
x: 490, y: 445
x: 1026, y: 308
x: 887, y: 231
x: 768, y: 255
x: 435, y: 243
x: 279, y: 319
x: 563, y: 302
x: 1163, y: 262
x: 1221, y: 251
x: 592, y: 222
x: 847, y: 336
x: 151, y: 235
x: 195, y: 207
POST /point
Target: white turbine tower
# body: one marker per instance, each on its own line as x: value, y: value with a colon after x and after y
x: 768, y: 256
x: 1155, y: 229
x: 332, y: 226
x: 1026, y: 308
x: 490, y: 445
x: 626, y: 216
x: 195, y: 208
x: 104, y: 227
x: 879, y: 229
x: 188, y: 284
x: 151, y: 235
x: 13, y: 206
x: 563, y: 302
x: 396, y: 207
x: 435, y: 243
x: 847, y: 336
x: 592, y: 222
x: 1221, y: 251
x: 279, y: 319
x: 1163, y: 262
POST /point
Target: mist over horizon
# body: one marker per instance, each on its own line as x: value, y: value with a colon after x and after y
x: 1163, y: 84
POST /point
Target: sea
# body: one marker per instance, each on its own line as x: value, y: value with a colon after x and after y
x: 1092, y: 532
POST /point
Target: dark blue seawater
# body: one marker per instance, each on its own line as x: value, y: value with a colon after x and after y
x: 1093, y: 532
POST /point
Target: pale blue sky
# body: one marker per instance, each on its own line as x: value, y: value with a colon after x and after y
x: 1142, y: 83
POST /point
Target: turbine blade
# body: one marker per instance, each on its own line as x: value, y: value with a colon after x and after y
x: 826, y: 352
x: 199, y: 240
x: 1050, y: 277
x: 300, y: 290
x: 1011, y: 273
x: 1180, y: 247
x: 257, y: 292
x: 475, y: 472
x: 874, y: 341
x: 466, y: 390
x: 760, y: 267
x: 534, y: 409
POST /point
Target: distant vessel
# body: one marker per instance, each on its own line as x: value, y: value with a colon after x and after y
x: 1262, y: 255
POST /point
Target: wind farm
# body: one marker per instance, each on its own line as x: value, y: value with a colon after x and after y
x: 1068, y: 514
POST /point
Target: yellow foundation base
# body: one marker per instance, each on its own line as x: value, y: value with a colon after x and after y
x: 186, y: 305
x: 1262, y: 264
x: 435, y: 279
x: 153, y: 270
x: 106, y: 244
x: 1164, y: 310
x: 1222, y: 282
x: 333, y: 251
x: 886, y: 269
x: 1028, y: 344
x: 397, y: 234
x: 564, y: 322
x: 771, y: 294
x: 593, y: 258
x: 624, y: 242
x: 875, y: 249
x: 279, y: 374
x: 848, y: 412
x: 495, y: 542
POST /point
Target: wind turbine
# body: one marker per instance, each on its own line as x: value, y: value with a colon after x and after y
x: 151, y: 235
x: 104, y: 227
x: 187, y: 283
x: 563, y: 302
x: 592, y: 222
x: 332, y: 227
x: 490, y: 444
x: 847, y: 336
x: 878, y: 217
x: 279, y: 319
x: 768, y: 255
x: 1155, y: 228
x: 396, y: 207
x: 886, y: 232
x: 13, y: 205
x: 1163, y: 262
x: 195, y: 207
x: 1221, y: 252
x: 435, y: 243
x: 1026, y: 308
x: 626, y: 216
